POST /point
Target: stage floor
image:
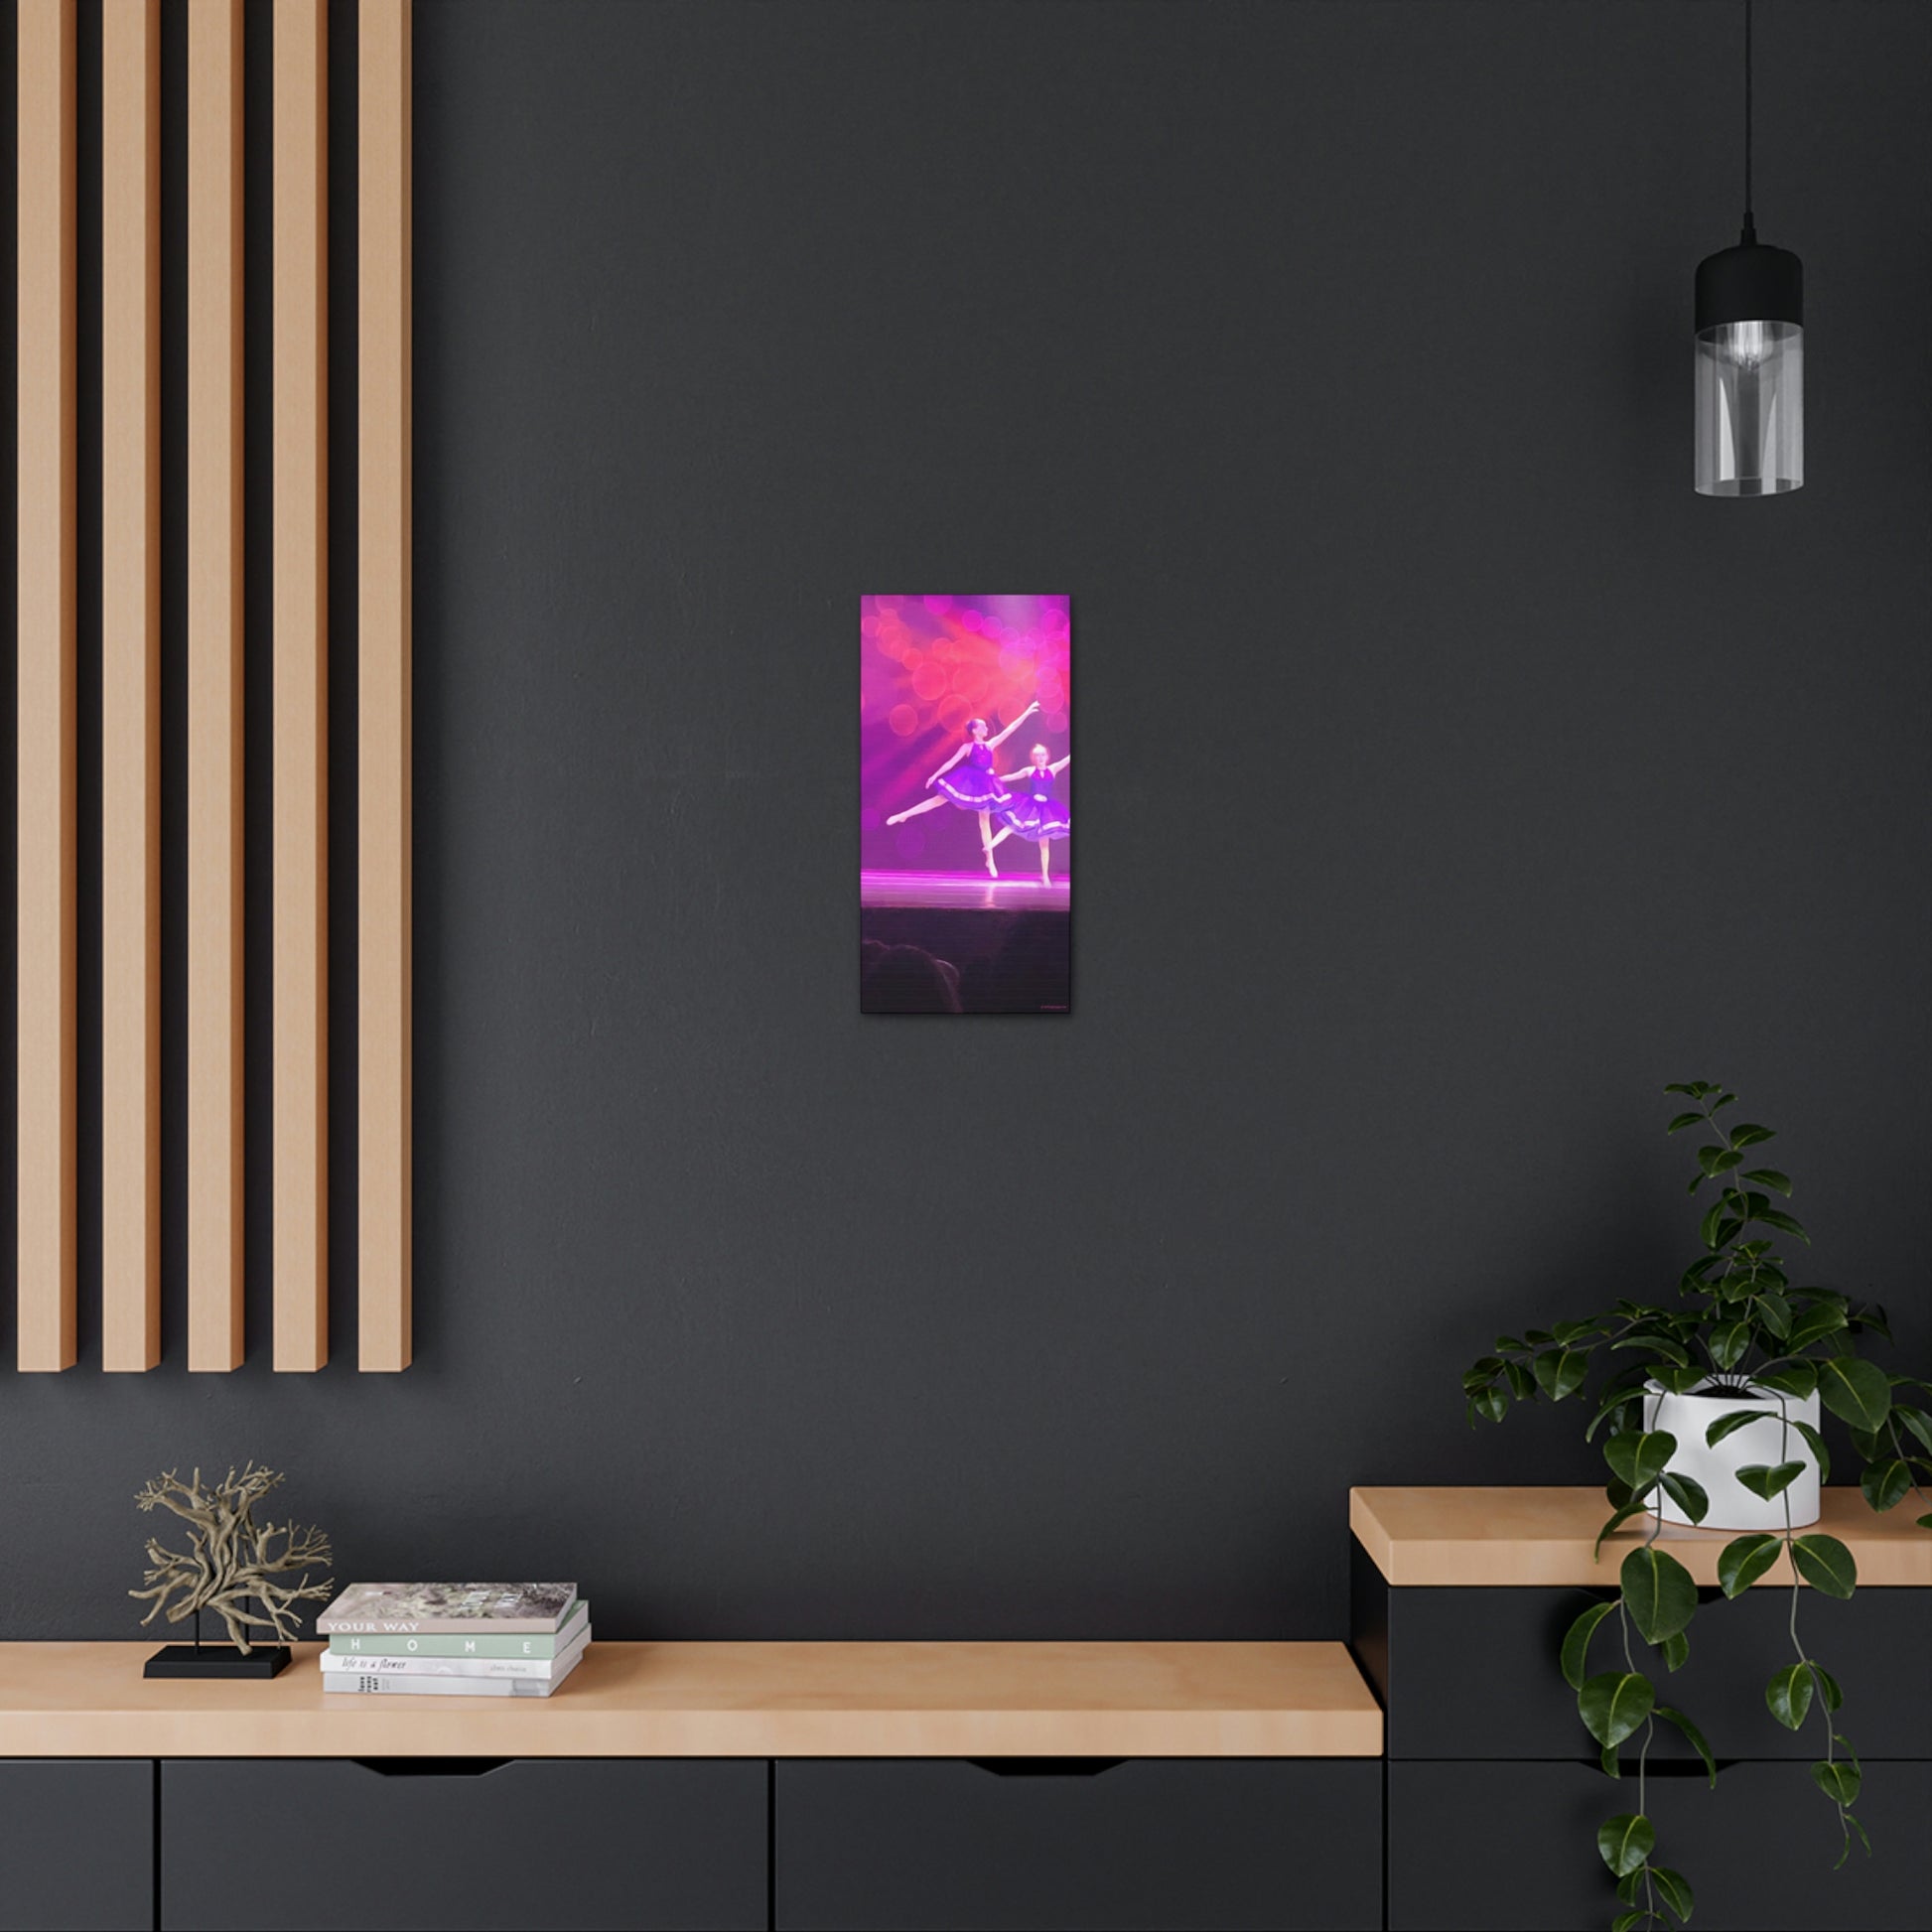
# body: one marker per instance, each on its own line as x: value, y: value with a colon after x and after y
x: 1021, y: 892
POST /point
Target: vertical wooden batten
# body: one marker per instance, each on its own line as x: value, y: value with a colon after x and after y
x: 384, y: 705
x: 300, y: 470
x: 215, y: 687
x: 130, y: 723
x: 45, y: 826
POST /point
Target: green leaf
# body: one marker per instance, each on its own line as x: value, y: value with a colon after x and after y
x: 1827, y: 1685
x: 1639, y: 1458
x: 1708, y: 1227
x: 1629, y: 1921
x: 1695, y: 1089
x: 1508, y: 1345
x: 1491, y: 1402
x: 1744, y: 1559
x: 1775, y: 1312
x: 1576, y: 1644
x: 1822, y: 1318
x: 1687, y: 1495
x: 1679, y: 1381
x: 1683, y: 1121
x: 1770, y: 1178
x: 1748, y: 1133
x: 1626, y: 1841
x: 1717, y: 1159
x: 1628, y: 1388
x: 1923, y: 1522
x: 1658, y: 1592
x: 1607, y: 1758
x: 1615, y: 1703
x: 1845, y: 1818
x: 1623, y: 1514
x: 1857, y: 1391
x: 1798, y: 1381
x: 1727, y: 1343
x: 1789, y: 1695
x: 1886, y: 1483
x: 1479, y: 1374
x: 1916, y: 1419
x: 1761, y: 1479
x: 1775, y: 1217
x: 1522, y: 1384
x: 1677, y: 1652
x: 1729, y: 1424
x: 1838, y: 1780
x: 1825, y: 1564
x: 1676, y: 1891
x: 1816, y: 1444
x: 1694, y: 1736
x: 1560, y: 1372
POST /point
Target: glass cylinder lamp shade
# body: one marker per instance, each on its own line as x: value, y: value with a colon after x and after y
x: 1750, y: 373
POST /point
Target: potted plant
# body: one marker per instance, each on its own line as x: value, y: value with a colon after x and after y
x: 1711, y: 1408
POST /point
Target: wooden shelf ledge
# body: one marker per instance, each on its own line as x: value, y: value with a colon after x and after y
x: 727, y: 1699
x: 1498, y: 1538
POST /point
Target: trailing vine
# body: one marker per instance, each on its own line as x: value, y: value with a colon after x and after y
x: 1740, y: 1328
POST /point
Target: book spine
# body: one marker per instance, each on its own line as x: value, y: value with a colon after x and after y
x: 366, y: 1683
x: 489, y: 1644
x: 538, y: 1667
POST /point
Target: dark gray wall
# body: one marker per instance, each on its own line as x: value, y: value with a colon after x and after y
x: 1454, y: 778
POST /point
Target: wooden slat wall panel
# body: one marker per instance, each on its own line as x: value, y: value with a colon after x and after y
x: 130, y: 705
x: 301, y: 1046
x: 215, y: 671
x: 45, y: 690
x: 383, y: 715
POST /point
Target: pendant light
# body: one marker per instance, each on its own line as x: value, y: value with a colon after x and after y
x: 1750, y: 357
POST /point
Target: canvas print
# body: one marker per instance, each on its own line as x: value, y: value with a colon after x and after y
x: 965, y: 805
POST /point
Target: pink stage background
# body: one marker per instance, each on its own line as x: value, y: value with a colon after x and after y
x: 926, y: 665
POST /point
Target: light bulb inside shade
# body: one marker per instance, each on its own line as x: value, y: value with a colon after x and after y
x: 1747, y: 344
x: 1751, y: 408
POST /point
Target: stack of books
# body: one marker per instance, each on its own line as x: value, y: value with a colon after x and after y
x: 496, y: 1640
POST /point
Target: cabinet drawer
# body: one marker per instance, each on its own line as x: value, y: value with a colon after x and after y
x: 76, y: 1844
x: 1472, y: 1673
x: 1042, y: 1843
x: 1514, y: 1845
x: 432, y: 1843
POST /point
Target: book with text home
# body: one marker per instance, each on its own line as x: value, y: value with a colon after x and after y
x: 561, y: 1665
x: 417, y: 1609
x: 485, y: 1643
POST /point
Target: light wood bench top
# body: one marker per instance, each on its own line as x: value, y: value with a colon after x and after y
x: 726, y: 1700
x: 1474, y: 1537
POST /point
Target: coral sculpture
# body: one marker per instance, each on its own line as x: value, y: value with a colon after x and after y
x: 230, y: 1557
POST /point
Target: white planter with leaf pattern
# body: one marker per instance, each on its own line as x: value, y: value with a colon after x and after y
x: 1770, y: 1445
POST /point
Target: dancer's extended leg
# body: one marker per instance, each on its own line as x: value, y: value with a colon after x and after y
x: 913, y: 811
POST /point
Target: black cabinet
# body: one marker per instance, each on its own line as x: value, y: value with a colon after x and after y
x: 1472, y: 1673
x: 407, y: 1843
x: 76, y: 1844
x: 1513, y: 1845
x: 1049, y: 1843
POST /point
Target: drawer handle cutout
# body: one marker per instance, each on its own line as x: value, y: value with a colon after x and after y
x: 1676, y: 1767
x: 431, y: 1768
x: 1046, y: 1768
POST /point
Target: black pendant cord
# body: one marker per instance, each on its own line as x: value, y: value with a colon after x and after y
x: 1750, y: 221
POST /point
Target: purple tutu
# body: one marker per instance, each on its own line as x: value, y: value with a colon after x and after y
x: 971, y: 785
x: 1034, y: 812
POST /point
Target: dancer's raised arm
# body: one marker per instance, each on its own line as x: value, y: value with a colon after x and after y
x: 1002, y: 737
x: 1061, y: 764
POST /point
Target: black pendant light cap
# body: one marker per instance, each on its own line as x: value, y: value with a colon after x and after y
x: 1752, y: 282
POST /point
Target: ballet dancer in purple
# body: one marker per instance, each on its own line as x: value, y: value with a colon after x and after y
x: 974, y: 790
x: 1034, y: 812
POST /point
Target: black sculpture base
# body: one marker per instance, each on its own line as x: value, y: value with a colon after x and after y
x: 216, y: 1660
